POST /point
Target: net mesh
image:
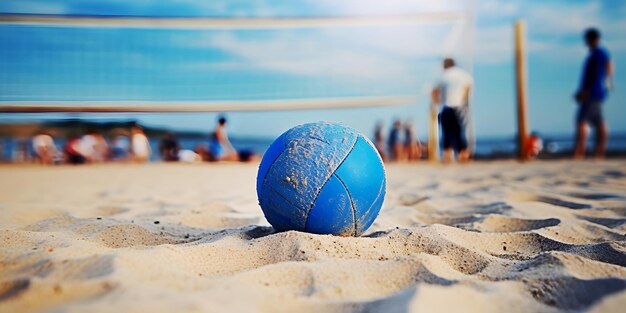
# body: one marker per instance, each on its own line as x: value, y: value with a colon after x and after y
x: 81, y: 60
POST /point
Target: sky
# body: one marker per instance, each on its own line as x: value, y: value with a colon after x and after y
x: 69, y: 63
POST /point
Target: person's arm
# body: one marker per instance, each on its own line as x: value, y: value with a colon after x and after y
x: 589, y: 75
x: 609, y: 75
x: 222, y: 137
x: 466, y: 95
x: 436, y: 95
x: 229, y: 145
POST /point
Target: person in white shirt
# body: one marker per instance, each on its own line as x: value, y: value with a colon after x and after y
x: 140, y: 145
x: 87, y: 146
x: 44, y: 148
x: 452, y: 91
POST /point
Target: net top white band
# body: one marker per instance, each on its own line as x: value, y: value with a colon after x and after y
x: 226, y: 23
x: 200, y: 106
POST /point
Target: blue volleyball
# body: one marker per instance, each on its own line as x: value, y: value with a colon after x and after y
x: 321, y: 178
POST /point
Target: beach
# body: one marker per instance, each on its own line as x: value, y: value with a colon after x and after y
x: 545, y: 236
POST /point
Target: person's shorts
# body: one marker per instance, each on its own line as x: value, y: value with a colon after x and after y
x: 453, y: 121
x: 590, y: 112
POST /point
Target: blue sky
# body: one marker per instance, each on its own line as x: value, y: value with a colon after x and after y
x: 234, y: 64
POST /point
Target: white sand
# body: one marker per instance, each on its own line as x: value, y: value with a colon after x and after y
x: 498, y: 237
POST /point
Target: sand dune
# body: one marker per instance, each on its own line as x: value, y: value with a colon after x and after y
x: 539, y: 237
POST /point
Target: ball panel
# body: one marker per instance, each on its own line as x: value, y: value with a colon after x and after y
x: 363, y: 174
x: 312, y: 153
x: 332, y: 212
x: 280, y: 213
x: 275, y: 149
x: 365, y: 221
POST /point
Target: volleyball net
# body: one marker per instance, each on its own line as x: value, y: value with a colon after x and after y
x: 71, y: 63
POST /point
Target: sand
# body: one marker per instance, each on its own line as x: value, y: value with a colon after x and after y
x: 487, y: 237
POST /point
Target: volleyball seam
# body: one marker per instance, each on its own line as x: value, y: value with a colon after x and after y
x: 351, y: 201
x: 380, y: 192
x: 319, y: 190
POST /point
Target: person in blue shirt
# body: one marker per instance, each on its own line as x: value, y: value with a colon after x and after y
x: 593, y: 90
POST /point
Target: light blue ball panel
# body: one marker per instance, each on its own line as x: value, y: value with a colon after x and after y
x: 364, y: 175
x: 332, y: 212
x: 365, y: 221
x: 312, y: 154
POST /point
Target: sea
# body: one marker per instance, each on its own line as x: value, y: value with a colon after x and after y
x: 485, y: 147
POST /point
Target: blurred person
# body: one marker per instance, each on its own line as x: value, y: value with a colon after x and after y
x: 102, y: 149
x: 44, y: 148
x: 120, y: 148
x: 169, y: 148
x: 220, y: 145
x: 248, y: 155
x: 593, y: 90
x: 188, y: 156
x: 379, y: 140
x: 72, y: 150
x: 88, y: 144
x: 534, y: 145
x: 396, y: 142
x: 203, y: 151
x: 452, y: 91
x: 141, y: 150
x: 412, y: 143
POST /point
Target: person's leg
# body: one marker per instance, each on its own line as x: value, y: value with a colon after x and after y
x: 581, y: 140
x: 39, y: 155
x: 403, y: 152
x: 447, y: 134
x: 460, y: 144
x: 601, y: 140
x: 464, y: 156
x: 448, y: 155
x: 462, y: 117
x: 601, y: 132
x: 397, y: 153
x: 48, y: 155
x: 582, y: 118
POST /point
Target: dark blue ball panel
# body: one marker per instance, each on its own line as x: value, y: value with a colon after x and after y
x: 276, y: 148
x: 364, y: 175
x: 332, y: 212
x: 281, y: 213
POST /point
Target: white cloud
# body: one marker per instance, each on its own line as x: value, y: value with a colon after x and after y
x: 378, y: 7
x: 367, y: 54
x: 301, y: 55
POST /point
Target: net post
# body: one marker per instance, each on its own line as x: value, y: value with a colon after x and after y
x: 520, y: 75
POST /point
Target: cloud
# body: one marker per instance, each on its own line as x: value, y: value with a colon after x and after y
x: 299, y: 54
x: 399, y: 56
x: 390, y: 7
x: 551, y: 26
